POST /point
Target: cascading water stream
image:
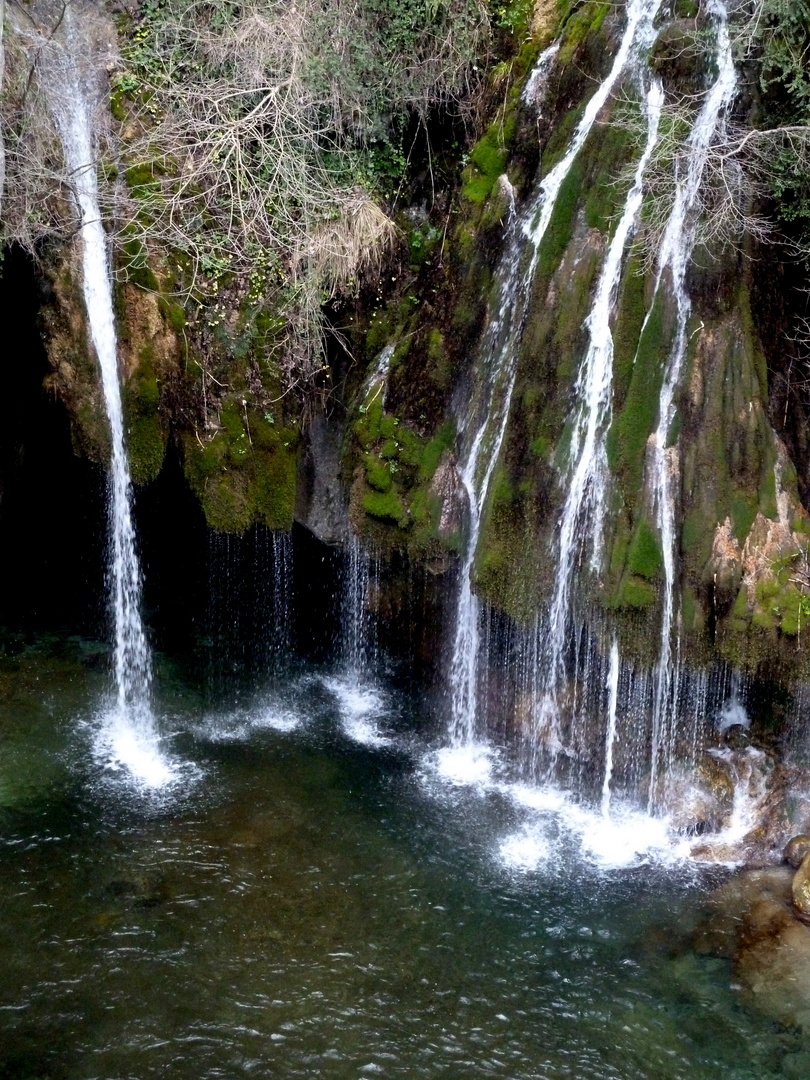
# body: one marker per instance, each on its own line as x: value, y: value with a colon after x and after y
x: 129, y: 735
x: 610, y: 738
x: 486, y: 419
x: 585, y: 502
x: 674, y: 254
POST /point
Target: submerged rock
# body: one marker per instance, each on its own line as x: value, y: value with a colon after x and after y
x: 752, y: 921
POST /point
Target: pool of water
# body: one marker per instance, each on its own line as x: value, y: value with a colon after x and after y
x: 316, y: 894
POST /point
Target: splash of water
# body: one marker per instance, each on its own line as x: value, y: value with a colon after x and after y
x: 674, y: 255
x: 483, y: 427
x: 129, y: 737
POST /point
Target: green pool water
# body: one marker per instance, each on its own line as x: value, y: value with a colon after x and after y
x: 303, y: 904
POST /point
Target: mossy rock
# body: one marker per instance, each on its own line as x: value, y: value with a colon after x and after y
x: 637, y: 594
x: 146, y: 436
x: 246, y: 472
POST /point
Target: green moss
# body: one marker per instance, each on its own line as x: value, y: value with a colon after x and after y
x: 689, y: 609
x: 378, y: 474
x: 145, y: 436
x: 430, y: 456
x: 173, y: 313
x: 605, y: 195
x: 740, y: 609
x: 561, y: 226
x: 767, y: 493
x: 440, y: 369
x: 247, y: 472
x: 636, y: 594
x: 386, y: 506
x: 560, y: 139
x: 628, y: 434
x: 477, y: 189
x: 763, y: 620
x: 630, y: 317
x: 137, y: 268
x: 645, y: 557
x: 489, y: 155
x: 274, y: 470
x: 586, y: 19
x: 743, y: 512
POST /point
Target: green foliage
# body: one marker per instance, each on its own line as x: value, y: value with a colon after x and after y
x: 783, y: 31
x: 512, y: 16
x: 289, y: 122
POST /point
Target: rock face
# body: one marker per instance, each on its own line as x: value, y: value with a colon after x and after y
x: 447, y: 487
x: 321, y: 503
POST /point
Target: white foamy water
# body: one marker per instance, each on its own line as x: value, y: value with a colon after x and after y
x: 467, y: 765
x: 610, y: 736
x: 243, y: 724
x: 120, y: 746
x: 554, y: 828
x: 127, y: 737
x: 361, y: 706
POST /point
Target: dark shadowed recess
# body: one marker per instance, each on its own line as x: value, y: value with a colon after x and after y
x: 51, y: 501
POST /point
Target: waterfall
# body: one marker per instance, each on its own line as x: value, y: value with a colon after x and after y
x: 585, y: 502
x: 483, y: 426
x: 674, y: 254
x: 359, y: 641
x: 249, y: 609
x: 129, y: 735
x: 361, y: 702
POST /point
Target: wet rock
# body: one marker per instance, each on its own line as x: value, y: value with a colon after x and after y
x: 678, y: 57
x: 321, y: 504
x: 447, y: 487
x: 736, y: 737
x: 701, y: 801
x: 800, y: 889
x: 723, y: 572
x: 796, y: 849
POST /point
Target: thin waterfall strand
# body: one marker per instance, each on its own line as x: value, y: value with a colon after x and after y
x: 130, y: 734
x: 610, y: 737
x: 674, y: 255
